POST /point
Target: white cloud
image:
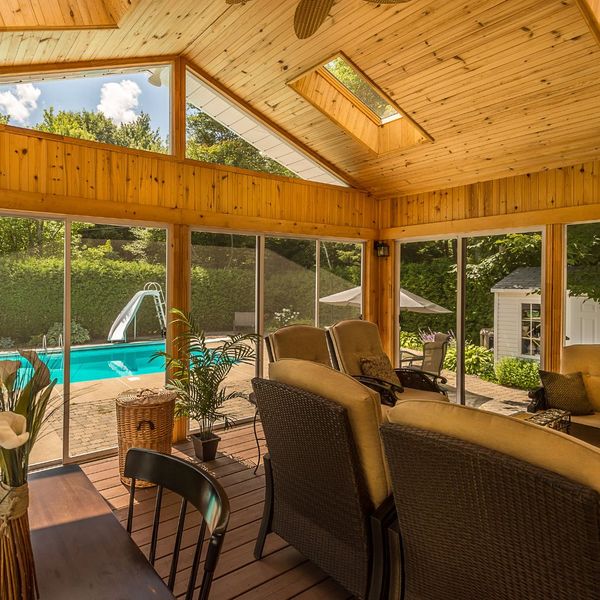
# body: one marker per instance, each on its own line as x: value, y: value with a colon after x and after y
x: 118, y: 100
x: 21, y: 102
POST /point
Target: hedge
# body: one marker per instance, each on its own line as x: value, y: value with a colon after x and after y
x: 31, y: 301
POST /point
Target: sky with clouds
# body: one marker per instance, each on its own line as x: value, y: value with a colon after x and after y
x: 120, y: 97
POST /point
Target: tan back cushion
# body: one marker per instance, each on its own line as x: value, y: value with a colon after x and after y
x: 353, y: 340
x: 584, y: 358
x: 300, y: 341
x: 540, y: 446
x: 364, y: 413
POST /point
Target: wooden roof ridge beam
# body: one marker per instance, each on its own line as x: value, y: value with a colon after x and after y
x: 590, y: 9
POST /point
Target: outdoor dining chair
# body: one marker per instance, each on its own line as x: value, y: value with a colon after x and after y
x: 432, y: 359
x: 196, y: 487
x: 491, y: 506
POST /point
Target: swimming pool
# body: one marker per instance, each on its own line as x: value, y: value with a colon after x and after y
x: 106, y: 361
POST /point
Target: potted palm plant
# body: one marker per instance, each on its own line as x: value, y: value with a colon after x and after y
x: 198, y: 372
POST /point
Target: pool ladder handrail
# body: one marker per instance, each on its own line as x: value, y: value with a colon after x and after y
x: 159, y: 304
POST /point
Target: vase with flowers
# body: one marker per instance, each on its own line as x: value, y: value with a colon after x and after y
x: 25, y: 391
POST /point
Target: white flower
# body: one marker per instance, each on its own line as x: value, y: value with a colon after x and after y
x: 12, y: 430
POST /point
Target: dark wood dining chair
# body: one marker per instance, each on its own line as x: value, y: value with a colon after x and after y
x: 196, y: 487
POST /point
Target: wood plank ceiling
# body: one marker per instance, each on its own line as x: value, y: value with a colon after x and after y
x: 502, y: 86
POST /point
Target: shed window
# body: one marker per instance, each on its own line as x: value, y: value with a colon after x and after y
x: 531, y: 326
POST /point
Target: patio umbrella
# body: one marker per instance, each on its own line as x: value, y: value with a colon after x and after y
x: 408, y: 301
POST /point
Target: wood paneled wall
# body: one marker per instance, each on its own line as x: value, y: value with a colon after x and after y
x: 47, y: 173
x: 558, y: 195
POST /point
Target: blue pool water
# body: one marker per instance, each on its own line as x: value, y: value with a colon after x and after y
x: 106, y: 361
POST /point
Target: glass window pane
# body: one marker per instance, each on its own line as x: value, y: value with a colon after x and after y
x: 502, y: 324
x: 355, y: 83
x: 118, y: 281
x: 339, y: 282
x: 583, y: 284
x: 31, y: 311
x: 224, y: 301
x: 289, y: 282
x: 428, y: 305
x: 127, y: 107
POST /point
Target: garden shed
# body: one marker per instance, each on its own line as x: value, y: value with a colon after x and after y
x: 517, y: 316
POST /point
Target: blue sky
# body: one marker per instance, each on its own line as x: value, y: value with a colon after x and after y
x: 125, y: 96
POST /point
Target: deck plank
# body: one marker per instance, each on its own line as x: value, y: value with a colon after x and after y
x: 282, y: 574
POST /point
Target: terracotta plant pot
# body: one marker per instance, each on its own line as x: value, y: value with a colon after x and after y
x: 205, y: 448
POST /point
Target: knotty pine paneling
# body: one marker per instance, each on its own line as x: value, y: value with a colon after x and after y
x: 560, y: 195
x: 48, y: 173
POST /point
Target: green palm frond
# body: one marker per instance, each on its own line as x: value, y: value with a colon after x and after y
x: 199, y: 370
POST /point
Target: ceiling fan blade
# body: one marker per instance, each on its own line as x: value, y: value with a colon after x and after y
x: 236, y: 1
x: 387, y: 1
x: 310, y: 15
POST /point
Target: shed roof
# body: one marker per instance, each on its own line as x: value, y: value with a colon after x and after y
x: 523, y: 278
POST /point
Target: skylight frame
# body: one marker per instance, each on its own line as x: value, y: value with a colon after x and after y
x: 348, y: 93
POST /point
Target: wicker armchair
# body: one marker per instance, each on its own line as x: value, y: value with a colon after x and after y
x: 350, y: 341
x: 327, y: 491
x: 491, y: 506
x: 586, y: 359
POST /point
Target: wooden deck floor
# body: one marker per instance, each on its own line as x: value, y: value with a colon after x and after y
x: 282, y: 574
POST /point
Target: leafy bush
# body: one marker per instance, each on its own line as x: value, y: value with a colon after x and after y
x: 478, y: 361
x: 79, y: 334
x: 410, y: 340
x: 518, y: 373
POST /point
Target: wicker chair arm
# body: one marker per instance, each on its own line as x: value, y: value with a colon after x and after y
x: 435, y: 376
x: 538, y: 400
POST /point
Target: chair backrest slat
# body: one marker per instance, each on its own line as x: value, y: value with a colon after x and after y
x: 196, y: 487
x: 177, y: 545
x: 196, y: 562
x: 155, y: 524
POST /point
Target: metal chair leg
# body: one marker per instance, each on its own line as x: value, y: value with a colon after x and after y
x: 257, y: 440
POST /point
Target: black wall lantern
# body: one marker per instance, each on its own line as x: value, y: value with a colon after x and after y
x: 382, y: 249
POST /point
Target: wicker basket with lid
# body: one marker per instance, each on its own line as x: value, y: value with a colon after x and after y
x: 144, y: 420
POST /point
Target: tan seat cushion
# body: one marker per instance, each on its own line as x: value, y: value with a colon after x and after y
x: 592, y: 420
x: 300, y: 341
x: 414, y: 394
x: 539, y: 446
x: 364, y: 413
x: 584, y: 358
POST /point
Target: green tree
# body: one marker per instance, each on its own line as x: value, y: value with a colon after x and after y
x: 4, y: 119
x: 209, y: 141
x: 95, y: 126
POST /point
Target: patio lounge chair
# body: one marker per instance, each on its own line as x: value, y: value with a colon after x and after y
x: 298, y: 341
x: 584, y: 358
x: 432, y: 359
x: 327, y: 492
x: 491, y: 506
x: 353, y: 344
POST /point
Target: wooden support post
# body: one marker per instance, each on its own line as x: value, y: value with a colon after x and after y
x: 178, y: 106
x: 379, y: 280
x: 553, y: 290
x: 179, y: 270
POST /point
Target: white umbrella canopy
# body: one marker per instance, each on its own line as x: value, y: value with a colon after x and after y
x: 408, y: 301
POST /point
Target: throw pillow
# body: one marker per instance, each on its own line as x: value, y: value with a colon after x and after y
x: 379, y: 367
x: 566, y: 392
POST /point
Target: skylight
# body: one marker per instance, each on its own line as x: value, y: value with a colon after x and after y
x: 362, y: 89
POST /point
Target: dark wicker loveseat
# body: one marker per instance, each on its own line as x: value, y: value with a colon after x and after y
x: 491, y: 507
x: 327, y: 491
